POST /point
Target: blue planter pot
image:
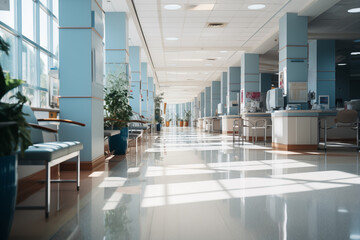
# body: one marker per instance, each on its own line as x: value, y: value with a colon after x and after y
x: 8, y: 188
x: 119, y: 142
x: 158, y: 127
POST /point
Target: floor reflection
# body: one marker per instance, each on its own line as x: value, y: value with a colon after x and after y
x: 184, y: 184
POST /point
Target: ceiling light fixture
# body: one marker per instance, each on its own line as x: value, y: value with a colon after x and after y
x: 171, y: 38
x: 223, y: 51
x: 354, y: 10
x: 256, y: 6
x: 355, y: 53
x: 201, y: 7
x: 342, y: 64
x: 172, y: 7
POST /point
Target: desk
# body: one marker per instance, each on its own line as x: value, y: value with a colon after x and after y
x: 227, y: 122
x: 212, y: 124
x: 297, y: 129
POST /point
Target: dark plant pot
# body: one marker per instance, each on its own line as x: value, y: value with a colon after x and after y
x: 8, y: 187
x: 158, y: 127
x: 119, y: 142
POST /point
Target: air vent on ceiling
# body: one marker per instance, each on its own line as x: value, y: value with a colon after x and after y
x: 211, y: 59
x: 216, y: 25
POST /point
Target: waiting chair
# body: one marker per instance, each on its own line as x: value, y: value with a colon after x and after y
x: 49, y: 154
x: 238, y: 127
x: 347, y: 119
x: 258, y: 124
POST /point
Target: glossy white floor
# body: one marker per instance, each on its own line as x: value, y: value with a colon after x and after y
x: 186, y: 184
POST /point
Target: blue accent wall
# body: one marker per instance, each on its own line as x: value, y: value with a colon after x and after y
x: 144, y: 90
x: 202, y: 104
x: 322, y: 69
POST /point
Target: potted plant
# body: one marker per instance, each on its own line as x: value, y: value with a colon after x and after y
x: 181, y: 122
x: 177, y: 120
x: 117, y: 111
x: 187, y: 118
x: 168, y: 122
x: 13, y: 136
x: 158, y: 99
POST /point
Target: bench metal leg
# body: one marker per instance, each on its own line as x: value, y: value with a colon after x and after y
x: 47, y: 189
x: 78, y: 172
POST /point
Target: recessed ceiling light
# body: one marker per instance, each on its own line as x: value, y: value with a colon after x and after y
x: 201, y: 7
x: 342, y: 64
x: 223, y: 51
x: 172, y: 7
x: 208, y: 64
x: 355, y: 53
x: 256, y: 6
x: 171, y: 38
x: 354, y: 10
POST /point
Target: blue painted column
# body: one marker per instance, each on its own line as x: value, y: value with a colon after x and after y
x: 233, y: 89
x: 249, y: 76
x: 144, y: 90
x: 224, y: 91
x: 265, y: 82
x: 135, y: 81
x: 202, y: 104
x: 151, y: 98
x: 322, y: 69
x: 215, y: 96
x: 81, y: 41
x: 116, y: 45
x: 293, y: 57
x: 178, y: 110
x: 207, y: 104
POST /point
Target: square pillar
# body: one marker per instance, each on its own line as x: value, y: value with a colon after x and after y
x: 233, y: 89
x: 81, y: 44
x: 215, y: 96
x: 144, y: 90
x: 224, y: 91
x: 207, y: 102
x: 293, y: 63
x: 202, y: 104
x: 151, y: 98
x: 135, y: 81
x: 249, y: 75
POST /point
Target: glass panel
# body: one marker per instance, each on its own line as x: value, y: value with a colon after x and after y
x: 43, y: 29
x: 44, y: 2
x: 29, y: 64
x: 8, y: 61
x: 56, y: 8
x: 28, y: 18
x: 55, y: 38
x: 7, y: 17
x: 44, y: 82
x: 44, y: 70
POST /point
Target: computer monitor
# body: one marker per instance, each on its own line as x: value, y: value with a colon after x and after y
x: 324, y: 101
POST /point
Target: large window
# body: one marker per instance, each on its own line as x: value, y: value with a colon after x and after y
x: 7, y: 17
x: 8, y: 62
x: 31, y: 29
x: 27, y: 17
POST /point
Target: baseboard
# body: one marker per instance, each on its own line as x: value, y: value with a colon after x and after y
x: 295, y: 147
x: 30, y: 184
x: 84, y: 165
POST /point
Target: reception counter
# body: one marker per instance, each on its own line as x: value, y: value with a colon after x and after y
x: 298, y: 129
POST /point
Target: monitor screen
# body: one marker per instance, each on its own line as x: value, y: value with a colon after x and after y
x: 324, y: 99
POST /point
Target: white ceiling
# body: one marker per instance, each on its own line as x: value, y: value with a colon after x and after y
x: 181, y: 66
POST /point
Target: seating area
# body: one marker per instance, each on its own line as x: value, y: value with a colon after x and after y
x: 49, y: 154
